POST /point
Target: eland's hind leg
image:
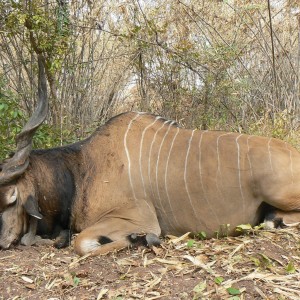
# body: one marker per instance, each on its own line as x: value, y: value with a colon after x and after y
x: 277, y: 218
x: 284, y: 201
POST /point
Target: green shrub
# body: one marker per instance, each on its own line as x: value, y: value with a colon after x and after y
x: 12, y: 120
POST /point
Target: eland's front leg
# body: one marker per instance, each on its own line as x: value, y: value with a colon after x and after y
x: 112, y: 234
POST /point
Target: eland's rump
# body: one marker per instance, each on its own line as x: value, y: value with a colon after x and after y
x: 206, y: 180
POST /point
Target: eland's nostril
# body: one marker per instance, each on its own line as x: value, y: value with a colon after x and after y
x: 5, y: 243
x: 5, y: 246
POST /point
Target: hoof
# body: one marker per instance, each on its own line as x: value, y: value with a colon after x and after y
x: 28, y: 239
x: 148, y: 240
x: 152, y: 240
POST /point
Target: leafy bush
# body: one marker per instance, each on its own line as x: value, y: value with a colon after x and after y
x: 12, y: 120
x: 279, y: 127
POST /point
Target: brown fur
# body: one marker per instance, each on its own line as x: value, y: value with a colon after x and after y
x: 112, y: 185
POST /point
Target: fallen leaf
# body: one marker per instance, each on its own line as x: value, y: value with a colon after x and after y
x: 153, y: 283
x: 30, y: 286
x: 198, y: 263
x: 199, y: 288
x: 219, y: 280
x: 102, y: 293
x: 175, y: 240
x: 157, y: 251
x: 233, y: 291
x: 127, y: 262
x: 27, y: 279
x: 168, y: 262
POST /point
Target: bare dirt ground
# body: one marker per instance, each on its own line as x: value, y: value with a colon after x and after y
x: 264, y: 265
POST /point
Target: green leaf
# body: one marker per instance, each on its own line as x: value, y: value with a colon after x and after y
x: 260, y: 226
x: 256, y: 261
x: 219, y: 280
x: 190, y: 243
x: 76, y: 281
x: 290, y: 268
x: 243, y: 227
x: 202, y: 235
x: 136, y: 29
x: 265, y: 260
x: 233, y: 291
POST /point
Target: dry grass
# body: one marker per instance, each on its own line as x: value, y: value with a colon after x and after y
x: 264, y: 265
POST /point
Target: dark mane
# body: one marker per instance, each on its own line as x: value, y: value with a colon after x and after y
x: 66, y: 149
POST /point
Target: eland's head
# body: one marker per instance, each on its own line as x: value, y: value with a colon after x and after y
x: 17, y: 192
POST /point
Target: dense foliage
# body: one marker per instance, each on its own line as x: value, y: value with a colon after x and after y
x: 12, y: 119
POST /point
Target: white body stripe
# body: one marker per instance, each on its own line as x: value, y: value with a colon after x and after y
x: 141, y: 148
x: 291, y: 162
x: 185, y: 172
x: 127, y: 154
x: 270, y: 154
x: 166, y: 174
x: 150, y: 152
x: 129, y: 162
x: 157, y: 163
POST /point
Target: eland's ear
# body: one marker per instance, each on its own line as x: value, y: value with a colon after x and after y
x: 12, y: 197
x: 32, y: 208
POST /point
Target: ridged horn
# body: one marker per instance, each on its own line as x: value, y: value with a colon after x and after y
x: 14, y: 167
